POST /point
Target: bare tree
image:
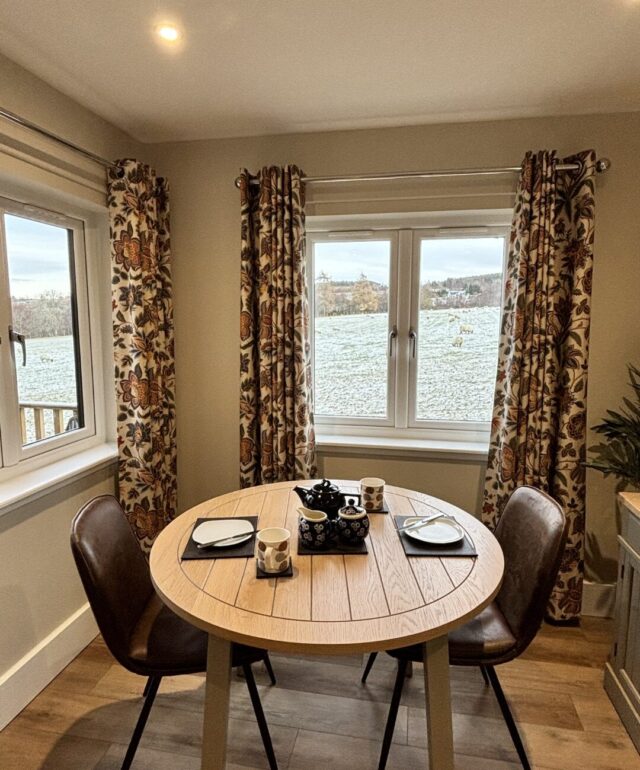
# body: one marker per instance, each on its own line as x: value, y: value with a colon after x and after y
x: 325, y: 295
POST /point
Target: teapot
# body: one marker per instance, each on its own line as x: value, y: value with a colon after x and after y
x: 323, y: 496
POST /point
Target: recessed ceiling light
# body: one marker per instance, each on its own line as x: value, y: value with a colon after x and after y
x: 168, y: 32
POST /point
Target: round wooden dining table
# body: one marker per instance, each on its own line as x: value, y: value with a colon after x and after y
x: 333, y: 604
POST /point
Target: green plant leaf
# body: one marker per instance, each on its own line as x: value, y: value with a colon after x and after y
x: 619, y: 454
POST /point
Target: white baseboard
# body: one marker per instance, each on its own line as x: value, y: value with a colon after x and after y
x: 598, y: 599
x: 32, y: 673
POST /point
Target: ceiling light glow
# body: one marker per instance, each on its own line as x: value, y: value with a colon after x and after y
x: 168, y: 32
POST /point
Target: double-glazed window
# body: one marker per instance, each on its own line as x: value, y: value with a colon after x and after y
x: 405, y: 329
x: 46, y: 384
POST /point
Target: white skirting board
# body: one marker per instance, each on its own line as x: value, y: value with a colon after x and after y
x: 598, y: 599
x: 26, y: 678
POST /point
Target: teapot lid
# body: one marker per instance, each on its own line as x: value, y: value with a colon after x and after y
x: 325, y: 486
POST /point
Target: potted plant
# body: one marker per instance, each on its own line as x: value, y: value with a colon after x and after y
x: 619, y: 454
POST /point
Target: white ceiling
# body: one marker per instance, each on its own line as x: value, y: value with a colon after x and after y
x: 251, y: 67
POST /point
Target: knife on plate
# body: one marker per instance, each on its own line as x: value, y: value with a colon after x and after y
x: 422, y: 522
x: 228, y: 540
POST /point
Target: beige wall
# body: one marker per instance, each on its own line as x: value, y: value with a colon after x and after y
x: 205, y: 234
x: 39, y: 586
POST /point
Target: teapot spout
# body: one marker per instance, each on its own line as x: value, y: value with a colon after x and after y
x: 302, y: 493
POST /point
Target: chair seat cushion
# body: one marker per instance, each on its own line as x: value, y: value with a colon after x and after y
x: 485, y: 637
x: 164, y: 643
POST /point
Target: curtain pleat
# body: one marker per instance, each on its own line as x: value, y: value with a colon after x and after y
x: 277, y: 440
x: 538, y: 430
x: 142, y: 305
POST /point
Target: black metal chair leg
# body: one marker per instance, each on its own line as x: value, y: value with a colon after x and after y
x: 150, y: 691
x: 393, y: 713
x: 262, y: 722
x: 269, y: 667
x: 483, y: 671
x: 370, y: 661
x: 508, y: 717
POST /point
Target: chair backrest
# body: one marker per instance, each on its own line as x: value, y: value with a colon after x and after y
x: 113, y: 570
x: 532, y: 532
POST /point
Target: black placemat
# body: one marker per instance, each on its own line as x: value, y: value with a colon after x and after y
x: 336, y: 549
x: 262, y: 575
x: 242, y: 551
x: 464, y: 547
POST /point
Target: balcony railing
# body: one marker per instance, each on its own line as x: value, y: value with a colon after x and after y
x: 40, y: 419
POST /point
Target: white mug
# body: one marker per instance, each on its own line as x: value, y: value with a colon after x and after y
x: 273, y: 550
x: 372, y: 493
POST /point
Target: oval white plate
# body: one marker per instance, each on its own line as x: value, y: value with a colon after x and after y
x: 438, y: 532
x: 217, y: 528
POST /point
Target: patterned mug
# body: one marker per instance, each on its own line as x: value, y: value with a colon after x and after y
x: 315, y: 527
x: 273, y: 550
x: 372, y: 493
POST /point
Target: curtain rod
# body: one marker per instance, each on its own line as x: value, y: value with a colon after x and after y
x: 20, y: 121
x: 602, y: 165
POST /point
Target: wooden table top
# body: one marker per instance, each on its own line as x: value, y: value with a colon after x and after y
x: 332, y: 604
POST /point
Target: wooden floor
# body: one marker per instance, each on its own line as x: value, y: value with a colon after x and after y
x: 322, y: 717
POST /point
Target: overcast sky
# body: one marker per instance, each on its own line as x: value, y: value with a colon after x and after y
x: 38, y: 257
x: 440, y: 258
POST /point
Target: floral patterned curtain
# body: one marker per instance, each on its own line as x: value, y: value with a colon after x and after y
x: 143, y: 347
x: 538, y: 431
x: 277, y: 440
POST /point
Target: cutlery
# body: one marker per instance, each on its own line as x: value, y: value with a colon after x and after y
x: 229, y: 540
x: 422, y: 522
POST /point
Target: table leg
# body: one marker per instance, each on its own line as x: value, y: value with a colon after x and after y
x: 216, y: 704
x: 438, y: 702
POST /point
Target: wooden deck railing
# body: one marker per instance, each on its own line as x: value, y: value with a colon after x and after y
x: 63, y: 414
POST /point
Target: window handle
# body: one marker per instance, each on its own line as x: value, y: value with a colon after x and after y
x: 392, y: 336
x: 21, y: 340
x: 413, y: 338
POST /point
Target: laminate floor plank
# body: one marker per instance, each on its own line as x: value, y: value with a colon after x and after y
x: 336, y: 715
x: 23, y: 747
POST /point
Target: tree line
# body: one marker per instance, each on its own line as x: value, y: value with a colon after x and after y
x: 365, y: 296
x: 48, y: 315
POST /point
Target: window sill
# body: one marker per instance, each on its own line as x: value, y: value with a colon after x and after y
x: 474, y: 451
x: 33, y: 484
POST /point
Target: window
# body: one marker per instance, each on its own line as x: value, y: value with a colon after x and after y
x: 45, y: 354
x: 405, y: 327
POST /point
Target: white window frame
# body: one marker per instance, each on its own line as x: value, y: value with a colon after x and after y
x: 16, y: 459
x: 410, y: 229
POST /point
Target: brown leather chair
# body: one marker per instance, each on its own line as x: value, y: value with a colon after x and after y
x: 532, y: 532
x: 141, y: 632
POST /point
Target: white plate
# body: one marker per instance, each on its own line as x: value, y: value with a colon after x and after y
x: 438, y: 532
x: 219, y: 528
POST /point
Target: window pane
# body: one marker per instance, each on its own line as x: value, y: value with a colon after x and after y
x: 351, y: 327
x: 460, y: 299
x: 40, y: 261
